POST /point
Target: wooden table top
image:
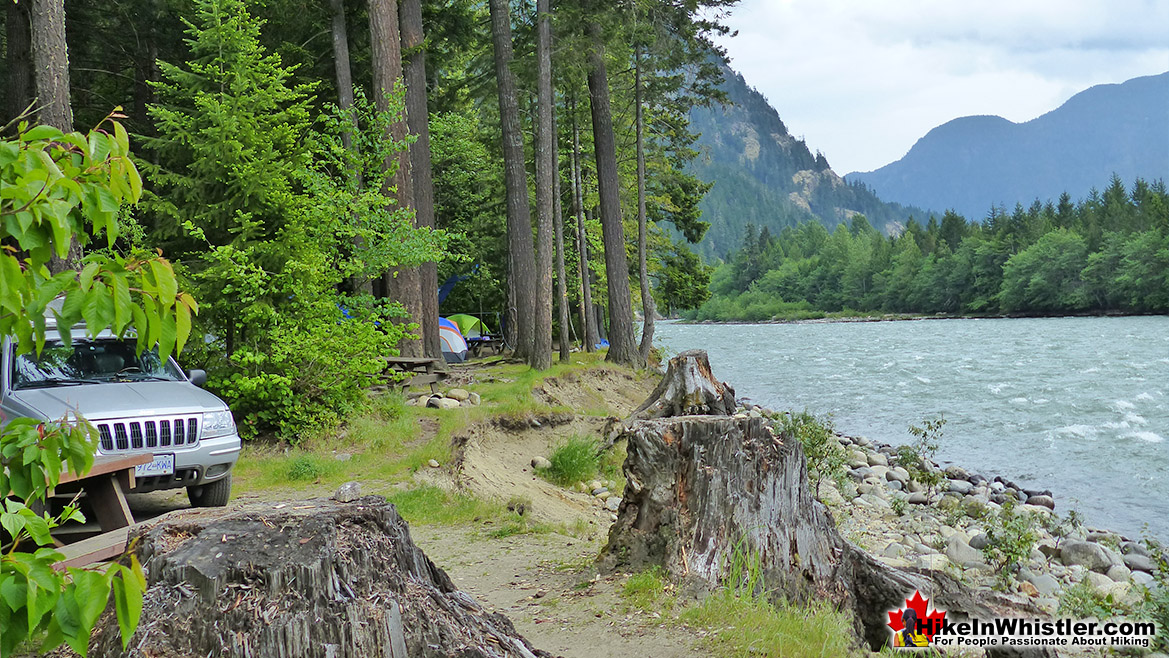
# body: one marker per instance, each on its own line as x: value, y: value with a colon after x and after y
x: 104, y: 464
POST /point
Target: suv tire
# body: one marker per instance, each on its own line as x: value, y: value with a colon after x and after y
x: 215, y: 494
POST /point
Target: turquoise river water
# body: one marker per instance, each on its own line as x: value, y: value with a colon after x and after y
x: 1079, y: 406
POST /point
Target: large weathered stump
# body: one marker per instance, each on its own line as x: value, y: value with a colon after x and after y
x: 701, y: 488
x: 319, y: 579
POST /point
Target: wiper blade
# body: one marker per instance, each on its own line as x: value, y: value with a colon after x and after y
x: 57, y: 381
x: 137, y: 377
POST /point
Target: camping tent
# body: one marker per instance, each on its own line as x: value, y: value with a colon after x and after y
x: 469, y: 325
x: 454, y: 347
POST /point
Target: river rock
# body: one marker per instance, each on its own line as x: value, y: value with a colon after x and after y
x: 541, y: 463
x: 1042, y: 501
x: 1137, y: 562
x: 433, y: 463
x: 613, y: 503
x: 1046, y: 584
x: 955, y: 472
x: 914, y: 486
x: 474, y: 398
x: 1119, y: 573
x: 963, y: 554
x: 918, y: 498
x: 443, y: 403
x: 1143, y: 579
x: 459, y: 394
x: 1130, y: 547
x: 1099, y: 581
x: 348, y: 492
x: 859, y: 474
x: 1028, y: 589
x: 961, y: 487
x: 877, y: 459
x: 979, y: 541
x: 879, y: 472
x: 899, y: 474
x: 894, y: 485
x: 1087, y: 554
x: 857, y: 459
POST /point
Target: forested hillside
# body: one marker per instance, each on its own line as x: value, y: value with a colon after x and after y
x: 316, y: 168
x: 765, y: 177
x: 969, y: 164
x: 1107, y: 253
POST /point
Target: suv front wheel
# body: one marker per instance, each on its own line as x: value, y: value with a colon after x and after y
x: 215, y: 494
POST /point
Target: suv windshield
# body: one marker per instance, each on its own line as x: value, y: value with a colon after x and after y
x: 90, y: 362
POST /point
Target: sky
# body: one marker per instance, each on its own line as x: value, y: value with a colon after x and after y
x: 863, y: 80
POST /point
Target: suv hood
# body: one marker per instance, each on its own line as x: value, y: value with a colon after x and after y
x: 119, y: 400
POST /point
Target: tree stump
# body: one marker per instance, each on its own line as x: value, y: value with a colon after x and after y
x: 701, y: 488
x: 321, y: 579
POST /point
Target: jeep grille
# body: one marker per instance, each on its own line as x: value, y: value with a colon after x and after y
x: 148, y: 433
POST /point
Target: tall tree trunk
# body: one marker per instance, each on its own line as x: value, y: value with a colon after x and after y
x: 587, y: 317
x: 50, y: 57
x: 418, y: 117
x: 51, y: 63
x: 341, y: 66
x: 622, y: 348
x: 647, y: 300
x: 344, y: 75
x: 401, y: 284
x: 19, y: 39
x: 561, y: 281
x: 545, y: 171
x: 522, y: 262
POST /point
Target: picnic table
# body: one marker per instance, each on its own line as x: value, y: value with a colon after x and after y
x: 105, y: 486
x: 422, y: 370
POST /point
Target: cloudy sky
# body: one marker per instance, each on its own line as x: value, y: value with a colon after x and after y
x: 862, y: 80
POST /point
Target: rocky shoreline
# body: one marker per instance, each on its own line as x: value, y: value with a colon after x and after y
x: 897, y: 520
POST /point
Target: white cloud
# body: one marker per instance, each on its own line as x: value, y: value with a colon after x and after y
x: 863, y: 80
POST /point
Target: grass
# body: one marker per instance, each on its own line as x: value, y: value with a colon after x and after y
x: 649, y: 591
x: 744, y: 622
x: 573, y: 460
x: 752, y: 626
x: 431, y: 505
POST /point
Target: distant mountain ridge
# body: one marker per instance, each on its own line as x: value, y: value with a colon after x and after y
x: 764, y: 176
x: 974, y: 162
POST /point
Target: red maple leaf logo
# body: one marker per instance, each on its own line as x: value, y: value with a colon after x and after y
x: 930, y: 622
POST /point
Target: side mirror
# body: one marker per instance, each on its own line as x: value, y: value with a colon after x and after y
x: 198, y: 377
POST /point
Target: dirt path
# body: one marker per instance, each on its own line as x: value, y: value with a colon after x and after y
x: 546, y: 585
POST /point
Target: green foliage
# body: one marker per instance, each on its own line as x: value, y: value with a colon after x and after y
x: 573, y: 460
x: 1082, y: 600
x: 826, y: 457
x: 899, y: 504
x: 1011, y: 537
x: 278, y: 227
x: 914, y: 456
x: 1109, y: 252
x: 56, y: 188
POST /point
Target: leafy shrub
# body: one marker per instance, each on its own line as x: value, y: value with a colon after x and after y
x: 826, y: 457
x: 306, y: 467
x: 914, y: 456
x: 573, y: 460
x: 1011, y: 538
x: 1082, y: 600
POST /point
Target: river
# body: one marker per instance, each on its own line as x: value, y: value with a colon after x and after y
x: 1076, y: 405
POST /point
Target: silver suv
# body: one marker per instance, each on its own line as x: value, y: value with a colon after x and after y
x: 139, y: 404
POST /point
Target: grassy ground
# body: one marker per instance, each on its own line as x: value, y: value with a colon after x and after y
x: 390, y: 441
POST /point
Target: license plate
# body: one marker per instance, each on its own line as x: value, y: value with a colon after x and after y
x: 162, y: 465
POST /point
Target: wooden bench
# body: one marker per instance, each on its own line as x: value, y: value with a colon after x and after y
x: 422, y: 371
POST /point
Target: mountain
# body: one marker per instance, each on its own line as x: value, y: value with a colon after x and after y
x: 764, y: 176
x: 972, y: 163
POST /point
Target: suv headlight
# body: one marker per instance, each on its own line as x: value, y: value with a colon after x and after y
x: 218, y: 423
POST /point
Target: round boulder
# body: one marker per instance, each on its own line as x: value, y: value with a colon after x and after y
x: 1087, y: 554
